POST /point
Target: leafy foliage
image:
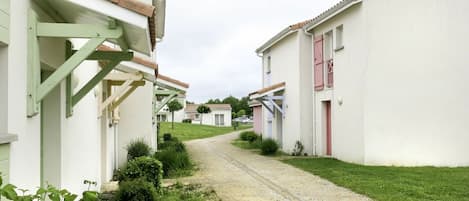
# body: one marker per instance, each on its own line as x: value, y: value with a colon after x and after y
x: 167, y: 137
x: 174, y: 106
x: 137, y: 149
x: 9, y: 192
x: 144, y: 167
x: 269, y: 147
x: 241, y: 113
x: 188, y: 121
x: 203, y: 109
x: 248, y: 136
x: 173, y: 156
x: 136, y: 190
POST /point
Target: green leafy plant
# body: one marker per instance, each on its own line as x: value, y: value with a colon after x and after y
x: 269, y: 147
x: 136, y: 190
x: 248, y: 136
x: 137, y: 149
x: 143, y: 167
x: 235, y: 125
x: 174, y: 106
x: 167, y: 137
x: 90, y: 195
x: 176, y: 144
x: 203, y: 109
x: 298, y: 149
x: 173, y: 160
x: 188, y: 121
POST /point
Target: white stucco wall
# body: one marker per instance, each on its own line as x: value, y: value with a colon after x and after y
x: 290, y: 63
x: 136, y: 120
x: 209, y: 118
x: 349, y: 73
x: 416, y: 102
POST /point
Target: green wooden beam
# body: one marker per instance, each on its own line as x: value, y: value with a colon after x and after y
x: 164, y: 102
x: 68, y: 82
x: 110, y: 55
x: 65, y: 30
x: 34, y: 66
x: 163, y: 92
x: 66, y: 68
x: 94, y: 81
x: 120, y: 82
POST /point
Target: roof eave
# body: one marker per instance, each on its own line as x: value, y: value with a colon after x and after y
x: 278, y: 37
x: 330, y: 13
x: 160, y: 18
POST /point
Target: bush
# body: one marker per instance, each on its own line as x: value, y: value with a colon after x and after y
x: 167, y: 137
x: 248, y: 136
x: 143, y: 167
x: 298, y: 149
x: 173, y: 159
x: 136, y: 190
x: 174, y: 143
x: 269, y: 147
x: 137, y: 149
x: 187, y: 121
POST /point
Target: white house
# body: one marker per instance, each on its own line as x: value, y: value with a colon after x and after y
x: 286, y: 73
x: 58, y: 102
x: 220, y: 114
x: 388, y: 78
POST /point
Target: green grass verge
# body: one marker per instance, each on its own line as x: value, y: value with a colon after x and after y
x: 186, y: 132
x: 391, y: 183
x: 255, y: 147
x: 192, y: 192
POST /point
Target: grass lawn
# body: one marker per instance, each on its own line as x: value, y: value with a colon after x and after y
x: 195, y: 131
x: 391, y: 183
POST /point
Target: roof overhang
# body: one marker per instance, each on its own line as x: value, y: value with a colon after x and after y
x: 267, y: 90
x: 330, y: 13
x: 278, y: 37
x: 137, y: 29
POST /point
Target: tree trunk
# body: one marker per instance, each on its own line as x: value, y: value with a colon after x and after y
x: 201, y: 118
x: 172, y: 117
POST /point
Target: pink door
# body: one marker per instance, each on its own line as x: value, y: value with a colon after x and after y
x: 328, y: 129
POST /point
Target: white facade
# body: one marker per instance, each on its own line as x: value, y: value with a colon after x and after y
x: 220, y: 115
x: 52, y: 148
x: 288, y: 60
x: 397, y: 80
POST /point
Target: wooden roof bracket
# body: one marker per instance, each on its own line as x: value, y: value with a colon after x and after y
x: 269, y: 103
x: 127, y: 83
x: 169, y: 95
x: 97, y: 34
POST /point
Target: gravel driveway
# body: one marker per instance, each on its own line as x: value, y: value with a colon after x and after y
x: 238, y: 174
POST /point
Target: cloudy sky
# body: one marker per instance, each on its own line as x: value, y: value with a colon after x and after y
x: 210, y: 44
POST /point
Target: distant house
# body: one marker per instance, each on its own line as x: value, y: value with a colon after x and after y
x: 220, y: 115
x: 372, y: 82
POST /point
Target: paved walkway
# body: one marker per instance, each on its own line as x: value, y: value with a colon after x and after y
x: 238, y: 174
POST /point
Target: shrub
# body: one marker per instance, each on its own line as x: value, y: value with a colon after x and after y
x: 248, y: 136
x: 174, y: 143
x: 143, y: 167
x: 269, y: 147
x: 167, y: 137
x: 298, y: 149
x: 187, y: 121
x: 137, y: 149
x: 136, y: 190
x: 173, y: 159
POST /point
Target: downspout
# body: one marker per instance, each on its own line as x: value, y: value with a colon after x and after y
x: 314, y: 151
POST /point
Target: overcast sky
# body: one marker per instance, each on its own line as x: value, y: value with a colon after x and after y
x: 210, y: 44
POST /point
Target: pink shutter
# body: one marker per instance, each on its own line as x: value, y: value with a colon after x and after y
x: 318, y: 64
x: 330, y: 73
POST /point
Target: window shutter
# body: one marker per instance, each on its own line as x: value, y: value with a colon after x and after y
x: 318, y: 63
x: 330, y: 73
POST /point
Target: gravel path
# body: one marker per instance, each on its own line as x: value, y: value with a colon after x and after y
x: 238, y: 174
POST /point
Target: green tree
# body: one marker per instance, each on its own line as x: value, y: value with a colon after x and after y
x: 203, y: 109
x: 216, y: 101
x: 173, y: 106
x: 233, y: 101
x: 243, y: 104
x: 241, y: 113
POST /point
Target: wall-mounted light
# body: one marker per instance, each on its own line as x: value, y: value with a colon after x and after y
x: 340, y: 100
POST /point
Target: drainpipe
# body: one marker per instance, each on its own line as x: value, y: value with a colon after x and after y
x: 115, y: 122
x: 314, y: 103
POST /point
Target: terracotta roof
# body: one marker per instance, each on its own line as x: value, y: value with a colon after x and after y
x: 299, y: 25
x: 331, y: 12
x: 136, y: 59
x: 174, y: 81
x: 269, y: 88
x: 143, y: 9
x: 193, y: 107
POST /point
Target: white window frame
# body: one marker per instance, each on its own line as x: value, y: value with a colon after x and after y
x: 339, y: 38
